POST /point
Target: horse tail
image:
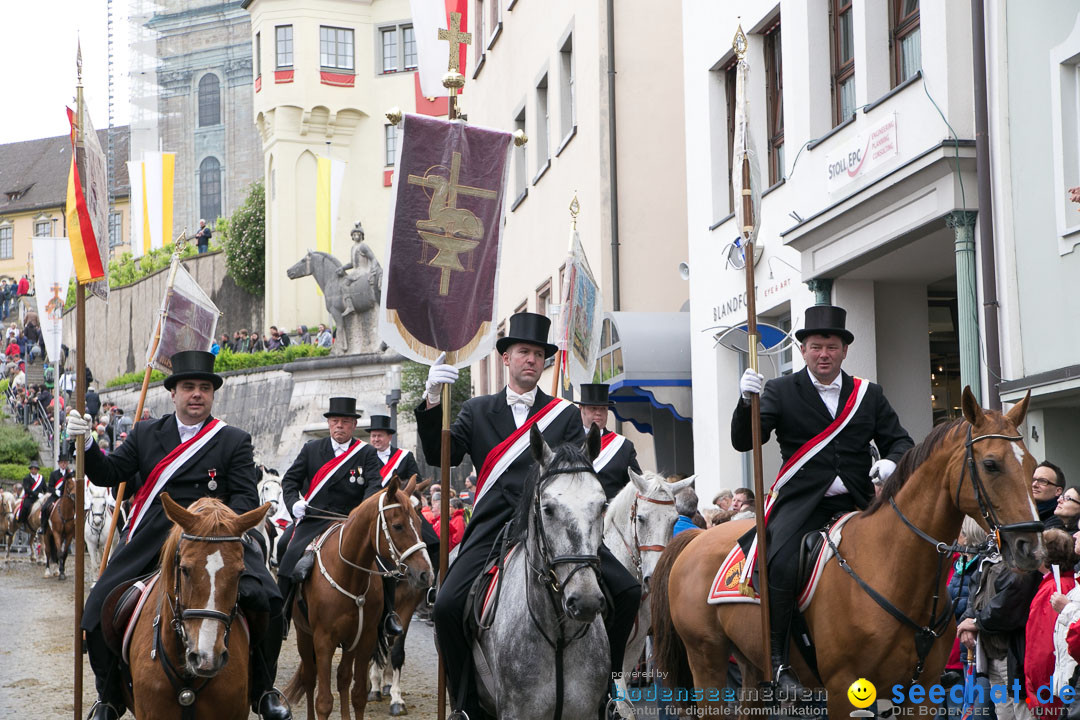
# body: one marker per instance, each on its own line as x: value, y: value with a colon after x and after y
x: 669, y: 652
x: 294, y: 691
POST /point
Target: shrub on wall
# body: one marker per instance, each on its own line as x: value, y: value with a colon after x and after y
x: 245, y: 242
x: 228, y: 360
x: 16, y: 446
x: 15, y: 472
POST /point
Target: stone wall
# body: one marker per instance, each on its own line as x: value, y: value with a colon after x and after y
x: 282, y: 406
x: 118, y: 332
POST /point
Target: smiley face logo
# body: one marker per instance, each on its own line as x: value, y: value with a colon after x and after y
x: 862, y: 693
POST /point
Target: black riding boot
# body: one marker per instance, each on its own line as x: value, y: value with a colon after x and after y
x: 266, y: 636
x: 391, y: 623
x: 107, y: 678
x: 781, y: 609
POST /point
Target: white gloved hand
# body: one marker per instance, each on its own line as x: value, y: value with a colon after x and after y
x: 299, y: 508
x: 751, y: 383
x: 58, y: 492
x: 882, y: 469
x: 439, y: 374
x: 78, y: 424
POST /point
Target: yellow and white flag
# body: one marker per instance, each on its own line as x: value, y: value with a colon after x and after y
x: 151, y: 181
x: 329, y: 180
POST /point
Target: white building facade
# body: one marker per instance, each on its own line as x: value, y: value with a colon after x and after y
x: 863, y: 119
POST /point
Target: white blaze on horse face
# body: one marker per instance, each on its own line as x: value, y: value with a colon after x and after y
x: 1018, y: 453
x: 208, y: 628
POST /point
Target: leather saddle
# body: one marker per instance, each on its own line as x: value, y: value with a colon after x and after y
x: 483, y: 597
x: 118, y: 608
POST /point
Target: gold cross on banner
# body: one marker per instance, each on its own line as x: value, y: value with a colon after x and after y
x: 457, y: 39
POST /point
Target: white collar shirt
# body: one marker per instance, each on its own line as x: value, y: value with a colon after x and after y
x: 520, y: 404
x: 830, y: 395
x: 338, y: 447
x: 187, y: 431
x: 384, y: 455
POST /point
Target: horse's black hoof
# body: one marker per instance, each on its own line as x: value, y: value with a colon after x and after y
x: 386, y: 690
x: 374, y: 696
x: 62, y: 576
x: 397, y: 709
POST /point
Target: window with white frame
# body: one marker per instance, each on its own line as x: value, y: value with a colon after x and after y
x: 7, y: 242
x: 480, y: 43
x: 843, y: 60
x: 336, y: 48
x: 566, y: 89
x: 284, y: 47
x: 494, y: 24
x: 408, y: 47
x: 258, y: 54
x: 43, y: 228
x: 397, y: 48
x: 116, y: 229
x: 543, y: 153
x: 521, y: 176
x: 610, y: 362
x: 391, y: 144
x: 389, y: 50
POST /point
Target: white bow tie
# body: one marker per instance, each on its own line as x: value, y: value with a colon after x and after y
x: 526, y: 399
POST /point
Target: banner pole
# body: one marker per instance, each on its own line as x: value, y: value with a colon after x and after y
x: 444, y: 525
x: 80, y: 405
x: 114, y: 521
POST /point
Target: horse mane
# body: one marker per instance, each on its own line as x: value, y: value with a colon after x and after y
x: 212, y: 515
x: 911, y: 461
x: 568, y: 455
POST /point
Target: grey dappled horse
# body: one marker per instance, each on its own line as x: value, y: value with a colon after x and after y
x: 550, y: 595
x: 637, y: 527
x: 328, y: 273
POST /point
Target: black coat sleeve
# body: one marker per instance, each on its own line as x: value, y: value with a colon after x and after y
x: 741, y: 432
x: 408, y: 468
x: 429, y: 428
x: 370, y: 466
x: 243, y: 481
x: 890, y: 436
x: 293, y: 482
x: 121, y: 465
x: 633, y: 464
x: 1008, y: 609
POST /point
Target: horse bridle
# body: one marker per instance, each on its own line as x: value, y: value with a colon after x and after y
x: 186, y: 695
x: 636, y: 558
x: 546, y: 572
x: 925, y: 635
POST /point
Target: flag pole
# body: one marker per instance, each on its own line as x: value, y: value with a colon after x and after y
x: 748, y: 232
x: 80, y: 405
x: 114, y: 521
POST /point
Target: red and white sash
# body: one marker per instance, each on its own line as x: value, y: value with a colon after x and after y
x: 391, y: 465
x: 37, y: 484
x: 505, y: 453
x: 167, y: 468
x: 327, y: 471
x: 610, y: 444
x: 802, y: 456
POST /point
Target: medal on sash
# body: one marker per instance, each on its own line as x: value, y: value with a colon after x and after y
x: 212, y: 472
x: 352, y: 475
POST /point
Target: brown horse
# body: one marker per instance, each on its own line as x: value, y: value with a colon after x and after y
x: 344, y: 598
x: 60, y: 530
x: 976, y: 466
x: 183, y: 641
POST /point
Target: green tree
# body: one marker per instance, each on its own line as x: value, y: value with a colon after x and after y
x: 414, y: 378
x: 245, y: 242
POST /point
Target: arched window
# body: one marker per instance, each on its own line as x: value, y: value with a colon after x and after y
x: 209, y: 100
x: 210, y: 190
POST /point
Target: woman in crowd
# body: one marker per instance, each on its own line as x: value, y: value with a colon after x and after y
x: 1039, y: 661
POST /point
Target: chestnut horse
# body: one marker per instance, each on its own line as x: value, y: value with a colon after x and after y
x: 60, y: 530
x: 183, y: 648
x: 344, y: 597
x: 899, y: 547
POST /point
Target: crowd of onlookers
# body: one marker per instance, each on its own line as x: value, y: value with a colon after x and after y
x: 244, y: 341
x: 460, y: 508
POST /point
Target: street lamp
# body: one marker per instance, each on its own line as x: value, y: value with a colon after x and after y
x: 393, y: 396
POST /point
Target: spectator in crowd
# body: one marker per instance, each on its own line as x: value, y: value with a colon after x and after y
x: 103, y: 443
x: 24, y: 286
x: 743, y: 504
x: 13, y: 351
x: 302, y: 335
x: 202, y: 237
x: 723, y: 499
x: 457, y: 522
x: 960, y: 588
x: 995, y: 622
x: 1067, y: 633
x: 257, y: 344
x: 326, y: 338
x: 1068, y: 509
x: 234, y: 344
x: 1047, y: 485
x: 273, y: 340
x: 1039, y: 641
x: 244, y: 344
x: 3, y: 298
x: 123, y: 422
x: 432, y: 510
x: 11, y: 334
x: 225, y: 342
x: 686, y: 502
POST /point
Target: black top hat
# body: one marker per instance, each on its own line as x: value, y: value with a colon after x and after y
x: 64, y: 457
x: 381, y: 422
x: 594, y: 394
x: 825, y: 320
x: 193, y: 365
x: 342, y: 407
x: 526, y: 327
x: 34, y: 464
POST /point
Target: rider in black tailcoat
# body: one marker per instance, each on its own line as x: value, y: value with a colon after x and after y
x: 57, y: 479
x: 33, y: 487
x: 482, y: 424
x: 614, y: 472
x: 223, y: 468
x: 836, y: 479
x: 350, y: 484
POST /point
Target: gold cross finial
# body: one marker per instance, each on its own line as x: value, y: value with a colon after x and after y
x: 575, y: 208
x: 457, y: 39
x: 739, y: 43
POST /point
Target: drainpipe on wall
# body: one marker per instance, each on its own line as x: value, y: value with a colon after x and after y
x: 613, y: 165
x: 986, y: 201
x: 962, y: 223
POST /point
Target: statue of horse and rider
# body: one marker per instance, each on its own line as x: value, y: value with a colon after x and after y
x: 350, y: 296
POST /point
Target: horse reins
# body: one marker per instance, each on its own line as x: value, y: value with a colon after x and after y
x: 636, y: 558
x: 547, y: 577
x: 925, y: 635
x: 185, y: 694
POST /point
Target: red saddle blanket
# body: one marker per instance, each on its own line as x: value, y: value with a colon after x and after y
x: 726, y: 588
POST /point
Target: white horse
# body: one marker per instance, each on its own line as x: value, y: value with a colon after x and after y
x: 98, y: 516
x: 547, y: 626
x: 637, y: 528
x: 270, y: 529
x: 7, y: 520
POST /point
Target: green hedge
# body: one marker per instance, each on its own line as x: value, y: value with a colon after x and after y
x: 14, y: 472
x: 228, y: 360
x: 127, y: 270
x: 16, y: 446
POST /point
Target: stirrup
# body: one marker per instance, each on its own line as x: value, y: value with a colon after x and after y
x: 98, y: 703
x: 611, y: 708
x: 273, y: 691
x: 457, y: 715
